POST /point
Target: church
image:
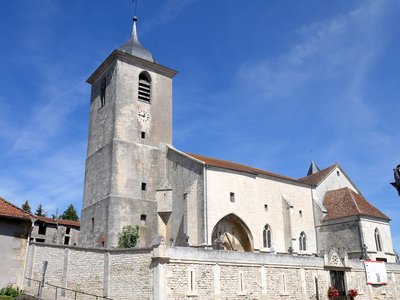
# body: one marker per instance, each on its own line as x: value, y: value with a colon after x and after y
x: 135, y: 176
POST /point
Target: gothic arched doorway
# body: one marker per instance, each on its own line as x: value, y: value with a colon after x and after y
x: 231, y: 233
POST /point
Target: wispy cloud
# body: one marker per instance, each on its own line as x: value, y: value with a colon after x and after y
x: 168, y: 12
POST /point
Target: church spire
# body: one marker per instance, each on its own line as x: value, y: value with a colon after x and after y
x: 133, y: 46
x: 313, y: 168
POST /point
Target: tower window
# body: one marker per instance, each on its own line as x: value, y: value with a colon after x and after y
x: 103, y: 89
x: 143, y: 134
x: 143, y: 219
x: 232, y: 197
x: 144, y: 186
x: 68, y: 230
x: 92, y: 224
x: 144, y: 92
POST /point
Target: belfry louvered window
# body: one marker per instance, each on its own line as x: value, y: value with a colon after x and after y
x: 144, y: 93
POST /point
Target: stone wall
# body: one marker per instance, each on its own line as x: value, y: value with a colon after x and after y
x: 190, y: 273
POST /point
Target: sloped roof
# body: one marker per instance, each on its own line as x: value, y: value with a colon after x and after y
x: 316, y: 178
x: 9, y: 210
x: 237, y: 167
x: 345, y: 202
x: 59, y: 221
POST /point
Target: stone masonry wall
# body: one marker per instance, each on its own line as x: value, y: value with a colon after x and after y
x: 189, y: 273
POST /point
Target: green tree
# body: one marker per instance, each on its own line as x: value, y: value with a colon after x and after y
x: 40, y: 211
x: 26, y: 207
x: 129, y: 237
x: 70, y: 214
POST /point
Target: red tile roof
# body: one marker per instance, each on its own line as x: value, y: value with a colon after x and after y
x: 345, y: 202
x: 316, y: 178
x: 236, y: 167
x: 11, y: 211
x: 59, y: 221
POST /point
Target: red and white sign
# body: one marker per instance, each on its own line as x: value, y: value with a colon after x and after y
x: 376, y: 272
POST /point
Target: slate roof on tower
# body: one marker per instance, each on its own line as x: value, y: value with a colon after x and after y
x: 345, y: 202
x: 133, y: 46
x: 11, y: 211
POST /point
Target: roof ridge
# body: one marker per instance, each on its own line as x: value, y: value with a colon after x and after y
x: 354, y: 200
x: 15, y: 206
x: 231, y: 165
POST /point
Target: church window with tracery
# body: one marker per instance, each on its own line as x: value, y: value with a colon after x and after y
x: 267, y: 236
x: 302, y: 242
x: 144, y: 92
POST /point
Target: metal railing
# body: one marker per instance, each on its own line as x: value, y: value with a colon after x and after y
x: 76, y: 295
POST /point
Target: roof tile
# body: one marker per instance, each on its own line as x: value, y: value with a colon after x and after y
x: 316, y: 178
x: 236, y: 167
x: 9, y: 210
x: 345, y: 202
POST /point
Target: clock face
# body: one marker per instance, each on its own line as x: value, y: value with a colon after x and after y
x: 143, y: 116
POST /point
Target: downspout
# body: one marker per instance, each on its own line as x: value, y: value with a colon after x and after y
x: 26, y: 253
x: 315, y: 227
x: 361, y: 236
x: 205, y: 205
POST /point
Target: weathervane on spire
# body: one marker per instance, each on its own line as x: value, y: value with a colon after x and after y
x: 134, y: 2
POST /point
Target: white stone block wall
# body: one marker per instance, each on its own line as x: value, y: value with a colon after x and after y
x: 188, y: 273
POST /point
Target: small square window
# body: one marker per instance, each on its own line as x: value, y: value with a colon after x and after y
x: 232, y: 197
x: 143, y: 134
x: 266, y: 207
x: 144, y: 186
x: 143, y: 219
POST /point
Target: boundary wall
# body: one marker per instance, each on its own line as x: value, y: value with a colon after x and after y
x: 189, y: 273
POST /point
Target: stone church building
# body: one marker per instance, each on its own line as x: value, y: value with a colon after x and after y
x: 135, y: 176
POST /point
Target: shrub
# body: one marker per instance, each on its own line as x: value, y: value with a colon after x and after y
x: 129, y: 237
x: 11, y: 291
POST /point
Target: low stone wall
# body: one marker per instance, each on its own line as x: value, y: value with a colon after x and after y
x: 117, y: 274
x: 187, y: 273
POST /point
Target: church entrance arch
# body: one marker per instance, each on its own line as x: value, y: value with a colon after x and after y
x: 231, y: 233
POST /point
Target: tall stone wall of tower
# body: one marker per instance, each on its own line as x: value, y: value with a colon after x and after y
x: 126, y: 149
x: 183, y: 273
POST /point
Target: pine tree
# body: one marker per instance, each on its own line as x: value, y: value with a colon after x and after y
x: 26, y: 207
x: 40, y: 211
x: 70, y: 214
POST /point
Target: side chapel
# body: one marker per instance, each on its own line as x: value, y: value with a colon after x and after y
x: 134, y: 176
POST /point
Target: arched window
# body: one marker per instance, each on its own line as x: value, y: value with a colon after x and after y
x: 378, y: 240
x: 144, y: 92
x: 267, y: 236
x: 302, y: 241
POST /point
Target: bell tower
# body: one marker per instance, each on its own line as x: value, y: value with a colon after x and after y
x: 129, y: 127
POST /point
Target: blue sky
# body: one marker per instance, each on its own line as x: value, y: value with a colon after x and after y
x: 272, y: 84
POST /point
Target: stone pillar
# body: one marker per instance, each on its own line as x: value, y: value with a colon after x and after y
x: 263, y: 275
x: 106, y: 278
x: 217, y: 281
x: 303, y: 283
x: 159, y: 283
x: 65, y: 271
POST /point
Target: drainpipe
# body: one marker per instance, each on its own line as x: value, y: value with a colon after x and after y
x: 315, y: 227
x: 26, y: 253
x: 205, y: 205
